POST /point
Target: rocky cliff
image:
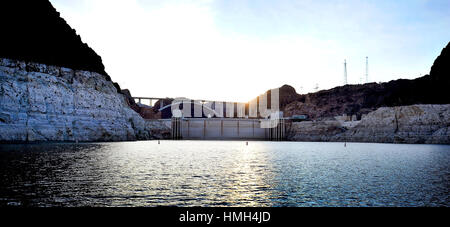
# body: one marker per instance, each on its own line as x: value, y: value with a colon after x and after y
x: 53, y: 87
x: 51, y: 103
x: 402, y: 124
x: 145, y: 111
x: 33, y: 31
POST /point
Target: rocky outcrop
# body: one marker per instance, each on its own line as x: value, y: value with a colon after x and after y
x: 147, y: 112
x: 349, y: 99
x: 441, y: 66
x: 403, y: 124
x: 33, y: 31
x: 130, y: 101
x: 322, y: 131
x: 51, y: 103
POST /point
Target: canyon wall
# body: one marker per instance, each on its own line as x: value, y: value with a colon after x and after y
x: 402, y: 124
x: 50, y: 103
x: 33, y: 31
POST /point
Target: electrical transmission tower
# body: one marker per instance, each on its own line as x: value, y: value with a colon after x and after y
x: 367, y: 69
x: 345, y: 72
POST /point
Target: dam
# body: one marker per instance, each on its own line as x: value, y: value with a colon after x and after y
x: 217, y: 120
x: 223, y: 129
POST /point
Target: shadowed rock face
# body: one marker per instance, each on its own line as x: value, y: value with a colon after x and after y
x: 130, y: 101
x: 441, y: 66
x: 33, y: 31
x: 147, y: 112
x: 288, y: 95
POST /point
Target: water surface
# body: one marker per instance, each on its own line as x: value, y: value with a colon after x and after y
x: 224, y: 173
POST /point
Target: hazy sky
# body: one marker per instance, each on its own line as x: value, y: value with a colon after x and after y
x: 233, y: 50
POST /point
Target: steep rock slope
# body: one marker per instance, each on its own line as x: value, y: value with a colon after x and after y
x: 33, y: 31
x: 51, y: 103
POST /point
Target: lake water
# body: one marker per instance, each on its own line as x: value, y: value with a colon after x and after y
x: 224, y: 173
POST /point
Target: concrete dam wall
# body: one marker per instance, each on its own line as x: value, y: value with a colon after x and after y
x: 220, y: 128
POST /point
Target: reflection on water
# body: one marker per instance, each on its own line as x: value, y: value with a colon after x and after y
x: 224, y: 173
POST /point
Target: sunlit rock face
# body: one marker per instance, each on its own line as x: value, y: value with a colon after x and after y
x: 50, y: 103
x: 402, y: 124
